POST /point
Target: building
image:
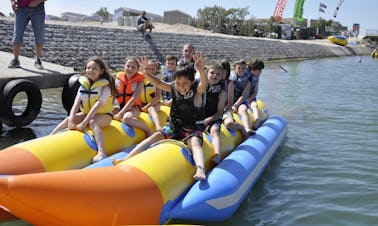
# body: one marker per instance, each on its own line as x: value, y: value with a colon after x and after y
x: 74, y: 17
x: 177, y: 17
x: 127, y: 16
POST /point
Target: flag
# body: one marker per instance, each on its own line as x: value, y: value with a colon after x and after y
x: 321, y: 10
x: 322, y: 5
x: 298, y: 10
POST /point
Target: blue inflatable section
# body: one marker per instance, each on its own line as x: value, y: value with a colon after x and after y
x: 228, y: 184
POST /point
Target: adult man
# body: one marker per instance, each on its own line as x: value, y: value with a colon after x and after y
x: 28, y: 10
x: 187, y: 55
x: 143, y: 23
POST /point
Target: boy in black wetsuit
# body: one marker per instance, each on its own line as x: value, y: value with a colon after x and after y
x: 215, y: 102
x: 187, y: 112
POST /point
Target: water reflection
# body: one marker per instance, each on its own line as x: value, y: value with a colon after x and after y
x: 16, y: 135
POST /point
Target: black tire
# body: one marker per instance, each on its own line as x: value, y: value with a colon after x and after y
x: 69, y: 92
x: 10, y: 90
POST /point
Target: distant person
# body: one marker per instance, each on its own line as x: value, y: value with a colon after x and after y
x: 25, y: 11
x: 143, y: 23
x: 93, y: 104
x: 101, y: 19
x: 187, y: 55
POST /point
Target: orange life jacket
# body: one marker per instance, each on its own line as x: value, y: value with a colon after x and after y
x: 127, y: 87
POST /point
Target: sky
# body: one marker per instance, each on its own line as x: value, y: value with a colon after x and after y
x: 351, y: 11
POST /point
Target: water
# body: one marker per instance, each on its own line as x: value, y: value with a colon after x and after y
x: 326, y: 171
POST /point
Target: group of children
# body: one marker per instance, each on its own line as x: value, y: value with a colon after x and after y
x: 184, y: 85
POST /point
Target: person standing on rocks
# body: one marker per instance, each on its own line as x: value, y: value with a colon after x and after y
x: 28, y: 10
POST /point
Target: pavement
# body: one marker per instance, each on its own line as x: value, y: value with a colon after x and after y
x: 52, y: 76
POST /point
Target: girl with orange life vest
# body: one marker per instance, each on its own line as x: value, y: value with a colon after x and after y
x: 130, y: 85
x: 93, y: 104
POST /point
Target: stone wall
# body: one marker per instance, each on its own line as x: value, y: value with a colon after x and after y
x: 71, y: 45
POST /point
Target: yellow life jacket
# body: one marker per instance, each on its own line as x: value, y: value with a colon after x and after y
x: 149, y: 90
x: 91, y: 92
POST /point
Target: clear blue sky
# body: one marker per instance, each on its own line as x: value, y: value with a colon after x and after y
x: 363, y: 12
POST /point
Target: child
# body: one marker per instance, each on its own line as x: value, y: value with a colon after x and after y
x: 151, y: 95
x: 240, y: 78
x: 186, y: 116
x: 130, y: 85
x: 255, y: 67
x: 228, y: 118
x: 168, y: 70
x: 94, y: 99
x: 214, y: 108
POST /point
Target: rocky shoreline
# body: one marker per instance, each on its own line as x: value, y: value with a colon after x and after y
x: 70, y: 44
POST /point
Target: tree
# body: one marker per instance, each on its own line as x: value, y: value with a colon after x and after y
x: 103, y: 12
x: 219, y: 19
x: 321, y: 25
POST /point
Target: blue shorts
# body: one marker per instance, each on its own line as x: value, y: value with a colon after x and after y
x: 37, y: 18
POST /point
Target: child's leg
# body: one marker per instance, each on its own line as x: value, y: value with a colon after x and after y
x: 242, y: 111
x: 141, y: 146
x: 256, y: 114
x: 216, y: 142
x: 62, y: 125
x: 196, y: 147
x: 230, y: 123
x: 96, y: 124
x: 152, y: 111
x: 130, y: 119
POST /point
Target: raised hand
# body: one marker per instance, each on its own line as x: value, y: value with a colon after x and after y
x: 199, y: 60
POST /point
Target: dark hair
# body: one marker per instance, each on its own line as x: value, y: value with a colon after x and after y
x: 106, y: 75
x: 226, y: 66
x: 171, y: 57
x: 256, y: 64
x: 240, y: 62
x: 187, y: 71
x: 155, y: 62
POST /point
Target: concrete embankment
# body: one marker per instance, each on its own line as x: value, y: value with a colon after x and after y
x: 70, y: 45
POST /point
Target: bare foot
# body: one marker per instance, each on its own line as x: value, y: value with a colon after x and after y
x: 100, y: 156
x: 216, y: 159
x: 116, y: 161
x: 251, y: 132
x: 200, y: 173
x: 242, y: 131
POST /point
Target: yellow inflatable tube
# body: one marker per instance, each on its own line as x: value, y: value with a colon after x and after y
x: 134, y: 192
x: 70, y: 149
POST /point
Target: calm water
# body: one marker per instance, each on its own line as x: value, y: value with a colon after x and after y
x: 326, y: 171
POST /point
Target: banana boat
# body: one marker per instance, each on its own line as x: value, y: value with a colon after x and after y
x: 153, y: 187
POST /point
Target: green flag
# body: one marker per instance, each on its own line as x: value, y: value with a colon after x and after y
x: 298, y: 11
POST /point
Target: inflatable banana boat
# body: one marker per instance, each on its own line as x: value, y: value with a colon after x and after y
x: 70, y: 149
x: 153, y: 187
x: 339, y: 40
